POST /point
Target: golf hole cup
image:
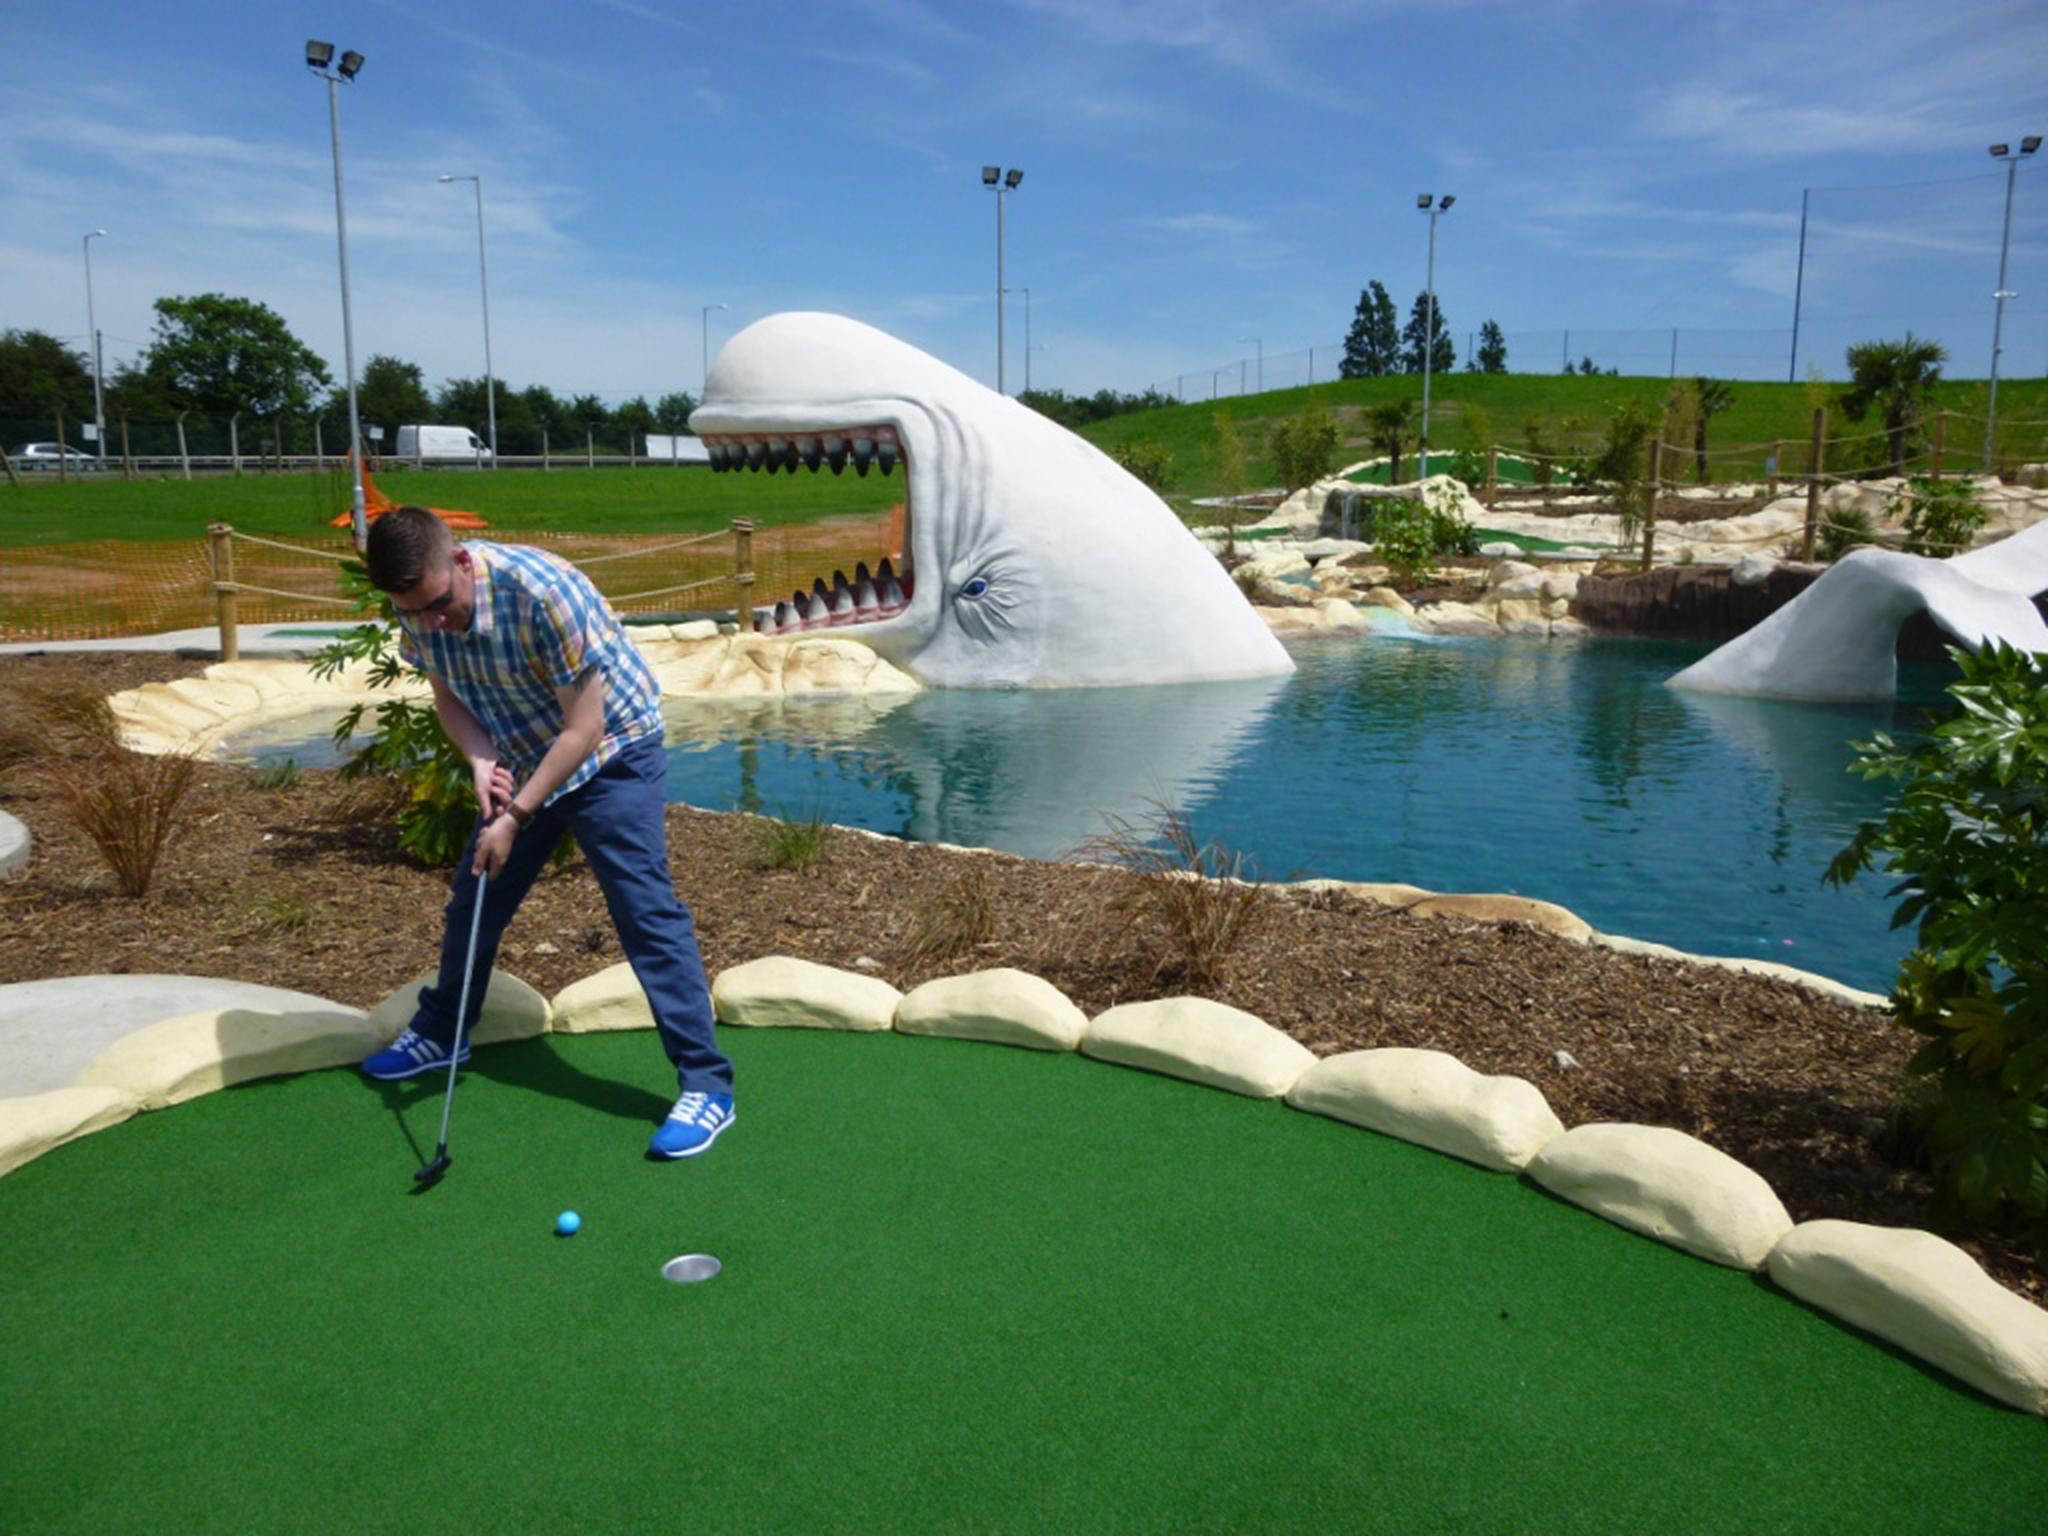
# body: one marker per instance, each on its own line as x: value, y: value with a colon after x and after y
x: 689, y: 1268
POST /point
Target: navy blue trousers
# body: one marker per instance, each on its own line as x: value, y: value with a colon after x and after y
x: 619, y: 818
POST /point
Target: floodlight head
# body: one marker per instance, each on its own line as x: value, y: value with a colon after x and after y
x: 1010, y: 181
x: 1445, y: 205
x: 319, y: 55
x: 350, y: 63
x: 96, y: 232
x: 991, y: 174
x: 1423, y: 199
x: 1999, y: 151
x: 2030, y: 143
x: 444, y: 178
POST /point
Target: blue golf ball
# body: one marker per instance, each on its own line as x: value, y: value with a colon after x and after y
x: 567, y: 1224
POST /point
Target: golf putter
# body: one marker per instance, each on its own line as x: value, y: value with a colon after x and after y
x: 426, y: 1178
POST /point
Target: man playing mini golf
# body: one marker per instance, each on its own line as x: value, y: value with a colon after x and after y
x: 536, y: 683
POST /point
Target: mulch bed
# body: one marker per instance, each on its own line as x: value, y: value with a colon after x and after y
x: 300, y: 887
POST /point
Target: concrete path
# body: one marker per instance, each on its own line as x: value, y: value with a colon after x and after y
x: 300, y: 641
x: 50, y: 1029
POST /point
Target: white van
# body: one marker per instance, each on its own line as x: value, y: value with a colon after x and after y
x: 441, y: 445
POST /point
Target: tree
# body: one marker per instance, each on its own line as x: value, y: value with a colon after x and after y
x: 1713, y: 397
x: 1897, y: 379
x: 1372, y: 348
x: 1493, y: 349
x: 220, y: 355
x: 40, y: 375
x: 547, y: 413
x: 635, y: 419
x: 673, y: 411
x: 1389, y: 427
x: 1426, y: 319
x: 391, y: 394
x: 1229, y: 475
x: 1304, y: 446
x: 586, y: 415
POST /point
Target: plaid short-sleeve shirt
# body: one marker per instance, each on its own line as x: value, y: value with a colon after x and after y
x: 539, y: 625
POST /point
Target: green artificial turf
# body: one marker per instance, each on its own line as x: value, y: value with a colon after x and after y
x: 966, y: 1288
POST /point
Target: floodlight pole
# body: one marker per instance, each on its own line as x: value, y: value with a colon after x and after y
x: 99, y: 404
x: 1798, y: 287
x: 1433, y: 210
x: 484, y: 274
x: 358, y: 516
x: 1260, y: 343
x: 1000, y: 182
x: 2012, y: 167
x: 1027, y: 334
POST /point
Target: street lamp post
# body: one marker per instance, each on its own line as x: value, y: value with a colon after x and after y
x: 2012, y: 165
x: 483, y: 267
x: 1258, y: 342
x: 704, y: 382
x: 92, y: 337
x: 999, y: 181
x: 318, y: 57
x: 1027, y: 335
x: 1435, y: 208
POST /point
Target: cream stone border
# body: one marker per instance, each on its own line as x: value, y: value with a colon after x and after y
x: 15, y: 843
x: 1921, y: 1293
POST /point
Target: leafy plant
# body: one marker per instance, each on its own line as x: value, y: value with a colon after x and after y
x: 1229, y: 475
x: 1195, y: 903
x: 126, y: 803
x: 1968, y: 839
x: 1843, y: 530
x: 1304, y: 446
x: 1896, y: 379
x: 1404, y: 538
x: 278, y: 773
x: 1942, y: 517
x: 961, y: 918
x: 1621, y: 462
x: 792, y: 844
x: 1390, y: 426
x: 1147, y: 459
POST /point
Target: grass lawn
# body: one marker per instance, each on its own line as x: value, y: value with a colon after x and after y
x: 666, y: 500
x: 966, y: 1287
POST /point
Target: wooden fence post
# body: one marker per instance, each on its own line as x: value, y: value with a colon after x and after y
x: 277, y: 443
x: 1813, y: 465
x: 184, y: 457
x: 1650, y: 501
x: 1777, y: 464
x: 127, y: 459
x: 546, y: 463
x: 1492, y: 473
x: 590, y: 447
x: 235, y: 440
x: 63, y: 457
x: 743, y: 570
x: 1940, y: 441
x: 223, y: 589
x: 8, y: 464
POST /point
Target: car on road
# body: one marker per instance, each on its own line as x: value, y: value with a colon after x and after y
x: 47, y: 455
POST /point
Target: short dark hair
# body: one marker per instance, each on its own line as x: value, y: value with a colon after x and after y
x: 406, y: 543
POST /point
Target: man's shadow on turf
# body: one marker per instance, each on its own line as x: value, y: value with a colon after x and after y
x: 532, y: 1065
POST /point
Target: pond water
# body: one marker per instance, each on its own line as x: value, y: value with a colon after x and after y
x: 1565, y: 771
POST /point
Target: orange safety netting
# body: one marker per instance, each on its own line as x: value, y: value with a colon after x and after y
x: 376, y: 504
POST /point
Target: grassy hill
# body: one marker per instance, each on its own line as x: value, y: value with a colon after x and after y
x: 1760, y: 414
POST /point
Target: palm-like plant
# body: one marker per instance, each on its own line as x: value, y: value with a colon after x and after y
x: 1390, y: 425
x: 1714, y: 397
x: 1897, y: 378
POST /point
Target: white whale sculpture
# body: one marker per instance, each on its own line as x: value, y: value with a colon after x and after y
x: 1837, y: 640
x: 1031, y: 559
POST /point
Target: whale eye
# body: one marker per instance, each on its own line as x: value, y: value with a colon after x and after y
x: 975, y: 588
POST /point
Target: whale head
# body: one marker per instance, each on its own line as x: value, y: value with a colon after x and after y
x: 1030, y: 558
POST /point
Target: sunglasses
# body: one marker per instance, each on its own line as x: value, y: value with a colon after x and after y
x: 436, y: 606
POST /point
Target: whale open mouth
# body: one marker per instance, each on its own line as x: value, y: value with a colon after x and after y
x: 868, y: 596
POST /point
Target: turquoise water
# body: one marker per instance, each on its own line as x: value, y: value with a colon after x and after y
x: 1563, y: 771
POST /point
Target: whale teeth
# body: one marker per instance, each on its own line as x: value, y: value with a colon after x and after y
x: 891, y: 597
x: 835, y: 453
x: 886, y: 572
x: 885, y: 455
x: 860, y: 572
x: 791, y: 454
x: 757, y: 451
x: 863, y: 454
x: 865, y: 603
x: 813, y: 455
x: 764, y: 621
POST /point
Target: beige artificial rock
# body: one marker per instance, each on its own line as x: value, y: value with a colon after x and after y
x: 178, y: 1059
x: 1482, y: 908
x: 1432, y: 1099
x: 31, y: 1126
x: 1669, y: 1186
x: 1387, y: 597
x: 825, y: 665
x: 781, y: 991
x: 1201, y: 1040
x: 512, y: 1010
x: 611, y: 999
x: 1569, y: 629
x: 1455, y: 619
x: 1003, y: 1006
x: 1508, y: 572
x: 1339, y: 614
x: 1925, y: 1295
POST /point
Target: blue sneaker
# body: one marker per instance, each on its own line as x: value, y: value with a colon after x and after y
x: 408, y: 1056
x: 692, y: 1125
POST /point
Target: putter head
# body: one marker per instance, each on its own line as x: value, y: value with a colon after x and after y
x: 426, y: 1178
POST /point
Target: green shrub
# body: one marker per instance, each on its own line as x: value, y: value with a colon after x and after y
x: 1843, y: 530
x: 1404, y: 537
x: 1968, y: 839
x: 1304, y: 446
x: 1942, y: 517
x: 278, y: 773
x: 792, y: 844
x: 1623, y: 462
x: 1147, y: 459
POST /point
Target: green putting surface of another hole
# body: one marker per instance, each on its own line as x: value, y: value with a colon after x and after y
x: 964, y: 1287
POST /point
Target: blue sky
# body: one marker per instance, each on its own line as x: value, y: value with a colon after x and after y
x: 1196, y: 172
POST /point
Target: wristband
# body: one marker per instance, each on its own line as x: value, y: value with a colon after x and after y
x: 518, y: 813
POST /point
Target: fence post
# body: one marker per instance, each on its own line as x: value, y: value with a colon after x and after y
x: 1650, y: 501
x: 1813, y: 462
x: 277, y: 443
x: 223, y: 589
x: 184, y: 458
x: 235, y: 440
x: 8, y: 464
x: 127, y: 460
x: 1492, y: 472
x: 319, y: 447
x: 545, y: 462
x: 1940, y: 441
x: 743, y: 570
x: 675, y: 446
x: 1777, y: 463
x: 63, y: 458
x: 590, y: 447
